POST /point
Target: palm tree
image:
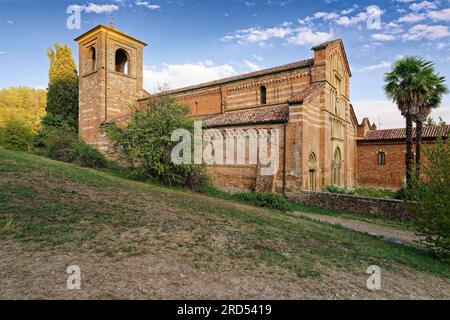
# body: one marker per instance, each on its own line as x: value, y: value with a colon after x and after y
x: 436, y: 90
x: 408, y: 86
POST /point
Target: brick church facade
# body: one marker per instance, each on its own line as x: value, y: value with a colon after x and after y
x: 307, y: 102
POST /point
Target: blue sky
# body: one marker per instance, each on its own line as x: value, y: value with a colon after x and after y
x: 195, y: 41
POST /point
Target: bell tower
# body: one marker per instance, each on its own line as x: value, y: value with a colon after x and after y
x: 110, y: 79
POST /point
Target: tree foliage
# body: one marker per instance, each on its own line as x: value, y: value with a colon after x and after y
x: 414, y: 87
x: 26, y: 105
x: 429, y: 200
x: 62, y: 95
x: 16, y: 135
x: 144, y: 145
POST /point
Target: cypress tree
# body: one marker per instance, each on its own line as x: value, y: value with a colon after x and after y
x: 62, y: 94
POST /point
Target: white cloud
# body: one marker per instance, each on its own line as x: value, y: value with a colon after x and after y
x: 381, y: 65
x: 383, y: 37
x: 250, y: 4
x: 148, y: 5
x: 100, y: 8
x: 411, y: 18
x: 422, y: 31
x: 181, y: 75
x: 2, y: 52
x: 443, y: 15
x: 258, y: 57
x: 297, y: 36
x: 346, y: 21
x: 424, y: 5
x: 326, y: 15
x: 253, y: 35
x: 252, y: 66
x: 9, y: 21
x: 307, y: 36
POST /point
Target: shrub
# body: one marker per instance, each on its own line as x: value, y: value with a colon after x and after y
x: 265, y: 200
x: 336, y: 189
x: 62, y: 144
x: 85, y: 155
x: 15, y: 135
x: 55, y: 142
x: 430, y: 200
x: 144, y: 146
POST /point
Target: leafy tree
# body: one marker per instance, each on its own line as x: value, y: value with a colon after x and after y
x: 434, y: 85
x: 24, y: 104
x: 144, y: 146
x: 16, y: 135
x: 429, y: 200
x: 62, y: 95
x: 408, y: 86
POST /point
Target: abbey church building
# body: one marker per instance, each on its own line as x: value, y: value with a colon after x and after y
x: 307, y: 101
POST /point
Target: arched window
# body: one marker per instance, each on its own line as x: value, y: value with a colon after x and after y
x: 122, y: 64
x: 263, y: 94
x: 381, y: 158
x: 337, y: 162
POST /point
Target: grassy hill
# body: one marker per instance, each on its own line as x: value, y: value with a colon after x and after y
x: 192, y: 245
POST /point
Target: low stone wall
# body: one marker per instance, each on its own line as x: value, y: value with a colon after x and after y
x: 351, y: 203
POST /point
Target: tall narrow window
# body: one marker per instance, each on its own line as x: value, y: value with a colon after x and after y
x: 312, y: 179
x: 337, y: 163
x: 263, y: 94
x: 92, y: 59
x: 122, y: 64
x: 381, y: 158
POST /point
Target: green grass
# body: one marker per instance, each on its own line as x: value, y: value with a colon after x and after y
x: 375, y: 193
x: 48, y: 205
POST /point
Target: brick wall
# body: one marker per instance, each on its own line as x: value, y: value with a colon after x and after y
x: 354, y: 204
x: 392, y: 174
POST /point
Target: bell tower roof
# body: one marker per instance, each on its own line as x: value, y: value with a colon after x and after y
x: 112, y: 30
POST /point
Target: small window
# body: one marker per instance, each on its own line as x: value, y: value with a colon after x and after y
x: 263, y: 94
x: 122, y: 64
x: 92, y: 59
x: 381, y: 158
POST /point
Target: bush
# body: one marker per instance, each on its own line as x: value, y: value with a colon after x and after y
x: 15, y: 135
x: 336, y: 189
x: 85, y: 155
x: 430, y: 200
x: 401, y: 194
x: 265, y: 200
x: 55, y: 142
x: 144, y: 146
x: 62, y: 144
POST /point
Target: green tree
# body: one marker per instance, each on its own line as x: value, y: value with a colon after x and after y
x: 144, y: 146
x: 436, y: 89
x: 408, y: 86
x: 62, y: 95
x: 429, y: 200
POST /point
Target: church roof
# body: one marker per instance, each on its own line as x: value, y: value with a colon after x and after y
x: 282, y: 68
x: 309, y: 91
x: 429, y: 132
x: 271, y: 114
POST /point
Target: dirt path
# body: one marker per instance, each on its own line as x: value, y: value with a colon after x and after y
x: 42, y: 275
x: 386, y: 233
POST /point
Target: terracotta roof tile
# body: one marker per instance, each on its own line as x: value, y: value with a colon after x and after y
x: 302, y: 95
x: 271, y: 114
x: 399, y: 134
x: 285, y: 67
